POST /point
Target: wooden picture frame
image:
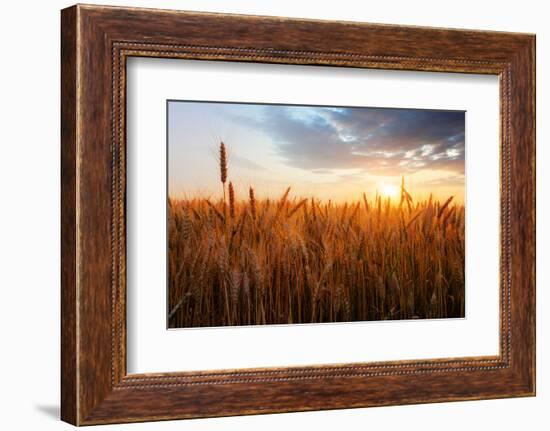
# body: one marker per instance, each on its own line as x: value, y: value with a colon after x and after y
x: 95, y: 43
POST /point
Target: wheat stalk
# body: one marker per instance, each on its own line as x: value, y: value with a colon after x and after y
x: 231, y: 200
x: 296, y: 208
x: 252, y: 201
x: 223, y: 171
x: 444, y: 207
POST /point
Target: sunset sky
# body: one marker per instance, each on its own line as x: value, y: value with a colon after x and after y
x: 327, y: 152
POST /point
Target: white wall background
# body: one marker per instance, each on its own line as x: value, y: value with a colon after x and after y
x: 29, y: 215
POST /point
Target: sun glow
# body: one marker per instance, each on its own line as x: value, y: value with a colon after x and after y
x: 389, y: 190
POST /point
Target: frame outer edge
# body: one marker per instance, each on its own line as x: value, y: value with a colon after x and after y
x: 532, y: 80
x: 87, y: 399
x: 523, y: 217
x: 533, y: 53
x: 531, y: 63
x: 69, y: 201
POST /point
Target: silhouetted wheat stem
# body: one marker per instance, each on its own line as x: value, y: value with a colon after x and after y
x: 231, y: 200
x: 252, y: 200
x: 223, y: 170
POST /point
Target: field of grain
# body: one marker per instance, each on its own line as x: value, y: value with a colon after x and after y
x: 240, y: 260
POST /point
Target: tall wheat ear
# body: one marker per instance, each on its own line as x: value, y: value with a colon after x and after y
x: 252, y: 200
x: 231, y: 200
x: 223, y: 169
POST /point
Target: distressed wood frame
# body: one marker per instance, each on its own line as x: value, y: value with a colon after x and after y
x: 95, y: 43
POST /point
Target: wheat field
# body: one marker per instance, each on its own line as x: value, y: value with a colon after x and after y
x: 240, y: 260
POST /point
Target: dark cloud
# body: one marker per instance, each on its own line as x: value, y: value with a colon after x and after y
x: 378, y: 141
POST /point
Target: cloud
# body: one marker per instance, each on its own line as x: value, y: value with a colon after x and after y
x: 243, y: 162
x: 377, y: 141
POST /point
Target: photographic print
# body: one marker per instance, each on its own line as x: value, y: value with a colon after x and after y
x: 293, y: 214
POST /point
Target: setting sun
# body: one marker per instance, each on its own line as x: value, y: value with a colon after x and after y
x: 389, y: 190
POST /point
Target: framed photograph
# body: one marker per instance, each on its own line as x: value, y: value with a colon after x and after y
x: 264, y: 214
x: 330, y: 235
